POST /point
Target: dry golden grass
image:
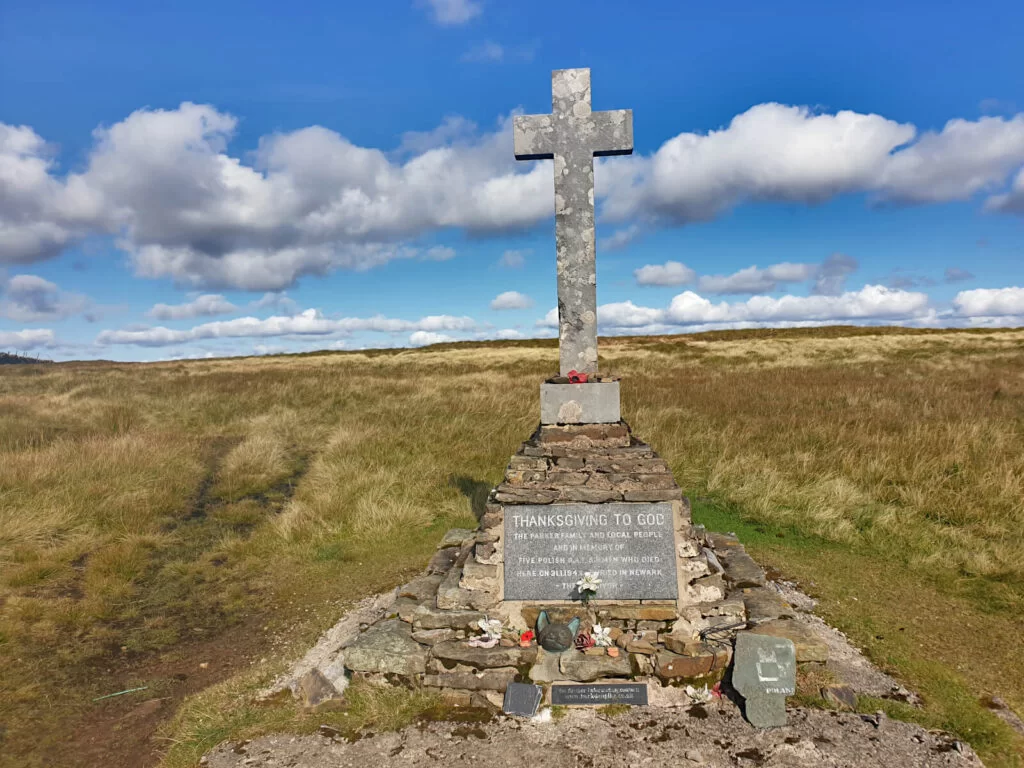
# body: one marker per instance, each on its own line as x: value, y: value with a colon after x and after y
x: 140, y: 503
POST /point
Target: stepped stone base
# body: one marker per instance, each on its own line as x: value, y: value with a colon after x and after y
x: 689, y: 640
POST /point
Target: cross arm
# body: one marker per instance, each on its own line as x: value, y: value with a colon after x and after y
x: 533, y: 137
x: 613, y: 132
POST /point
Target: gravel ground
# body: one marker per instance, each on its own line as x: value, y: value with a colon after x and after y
x: 707, y: 735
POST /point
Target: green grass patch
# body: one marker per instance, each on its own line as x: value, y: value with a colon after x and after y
x: 951, y: 656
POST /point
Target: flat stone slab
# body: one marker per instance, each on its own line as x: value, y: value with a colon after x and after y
x: 591, y: 403
x: 741, y: 571
x: 631, y: 546
x: 809, y: 647
x: 489, y: 679
x: 459, y: 651
x: 583, y: 668
x: 387, y: 647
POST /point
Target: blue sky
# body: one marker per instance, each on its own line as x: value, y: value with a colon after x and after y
x: 238, y: 178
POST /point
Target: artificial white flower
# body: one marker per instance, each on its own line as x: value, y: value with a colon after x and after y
x: 589, y: 582
x: 699, y: 695
x: 602, y: 636
x: 490, y: 627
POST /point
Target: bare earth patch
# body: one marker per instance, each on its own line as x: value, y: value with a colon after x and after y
x: 709, y: 735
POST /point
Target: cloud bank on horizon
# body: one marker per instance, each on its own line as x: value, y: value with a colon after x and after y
x: 164, y: 186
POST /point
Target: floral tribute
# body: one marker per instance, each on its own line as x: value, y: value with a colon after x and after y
x: 583, y: 641
x: 602, y: 636
x: 587, y: 586
x: 491, y: 636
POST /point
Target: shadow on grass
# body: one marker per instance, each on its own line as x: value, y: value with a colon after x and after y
x: 474, y: 490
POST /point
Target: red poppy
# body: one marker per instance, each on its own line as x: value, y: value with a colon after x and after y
x: 526, y: 638
x: 576, y: 377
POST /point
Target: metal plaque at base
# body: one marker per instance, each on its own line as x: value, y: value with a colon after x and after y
x: 601, y: 694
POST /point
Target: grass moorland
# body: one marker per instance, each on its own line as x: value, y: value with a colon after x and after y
x: 187, y: 527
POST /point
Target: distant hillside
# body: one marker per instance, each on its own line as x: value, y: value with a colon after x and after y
x: 6, y: 358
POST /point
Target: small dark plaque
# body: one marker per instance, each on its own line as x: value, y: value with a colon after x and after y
x: 631, y: 546
x: 598, y: 695
x: 522, y: 699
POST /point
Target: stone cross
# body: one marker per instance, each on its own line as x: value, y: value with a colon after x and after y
x: 573, y: 136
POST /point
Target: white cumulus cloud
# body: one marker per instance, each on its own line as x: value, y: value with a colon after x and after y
x: 511, y: 300
x: 425, y: 338
x: 775, y: 152
x: 308, y: 323
x: 690, y: 309
x: 990, y: 302
x: 202, y: 306
x: 309, y: 201
x: 669, y: 273
x: 25, y: 340
x: 756, y: 280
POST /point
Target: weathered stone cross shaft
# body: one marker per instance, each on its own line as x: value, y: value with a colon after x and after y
x: 573, y: 136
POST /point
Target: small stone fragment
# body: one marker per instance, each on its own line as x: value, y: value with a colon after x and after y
x: 421, y: 589
x: 443, y: 560
x: 741, y: 570
x: 708, y: 589
x: 456, y: 537
x: 763, y: 604
x: 314, y: 689
x: 433, y: 636
x: 840, y: 696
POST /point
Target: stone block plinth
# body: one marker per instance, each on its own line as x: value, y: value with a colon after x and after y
x: 591, y: 403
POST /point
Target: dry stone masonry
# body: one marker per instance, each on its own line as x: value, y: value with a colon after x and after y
x: 659, y: 641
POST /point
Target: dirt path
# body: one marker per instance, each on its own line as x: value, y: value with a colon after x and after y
x: 713, y: 735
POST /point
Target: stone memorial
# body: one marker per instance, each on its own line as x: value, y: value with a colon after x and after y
x: 585, y: 567
x: 764, y: 674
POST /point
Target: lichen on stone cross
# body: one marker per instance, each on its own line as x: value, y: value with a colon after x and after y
x: 573, y: 136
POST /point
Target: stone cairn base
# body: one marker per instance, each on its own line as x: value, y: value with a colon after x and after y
x: 424, y: 640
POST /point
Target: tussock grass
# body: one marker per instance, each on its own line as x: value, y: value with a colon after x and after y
x: 141, y: 504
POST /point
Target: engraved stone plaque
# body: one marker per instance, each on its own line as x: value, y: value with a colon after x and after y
x: 634, y: 694
x: 631, y: 546
x: 764, y: 674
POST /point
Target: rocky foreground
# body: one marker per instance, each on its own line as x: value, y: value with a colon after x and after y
x: 704, y: 735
